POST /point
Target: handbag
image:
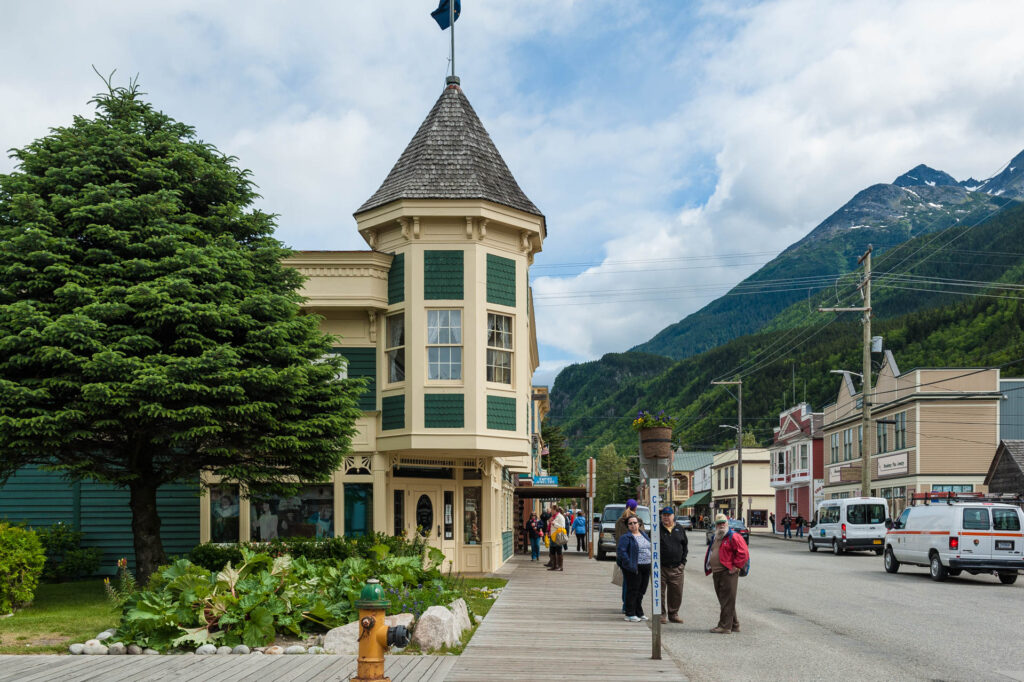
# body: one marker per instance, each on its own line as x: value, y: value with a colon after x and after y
x: 617, y: 576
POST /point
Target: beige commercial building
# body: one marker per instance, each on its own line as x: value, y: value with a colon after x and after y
x: 758, y: 495
x: 438, y: 315
x: 931, y: 430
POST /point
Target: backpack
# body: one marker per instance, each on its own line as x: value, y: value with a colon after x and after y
x: 745, y: 571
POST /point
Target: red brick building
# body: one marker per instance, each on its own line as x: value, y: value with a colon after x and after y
x: 797, y: 464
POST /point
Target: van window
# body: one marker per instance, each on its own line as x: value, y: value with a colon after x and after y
x: 612, y: 514
x: 829, y: 515
x: 865, y: 513
x: 975, y: 519
x: 902, y: 521
x: 1005, y: 519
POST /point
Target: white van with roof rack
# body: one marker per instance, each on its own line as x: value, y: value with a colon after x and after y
x: 849, y: 524
x: 955, y: 532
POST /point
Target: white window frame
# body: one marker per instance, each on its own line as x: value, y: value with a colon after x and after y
x: 803, y: 457
x: 398, y: 349
x: 495, y: 350
x: 445, y: 340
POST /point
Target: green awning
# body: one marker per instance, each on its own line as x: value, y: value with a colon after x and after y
x: 699, y: 498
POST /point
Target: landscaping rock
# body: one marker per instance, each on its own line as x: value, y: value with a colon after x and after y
x: 76, y: 649
x: 317, y: 650
x: 404, y: 619
x: 257, y: 653
x: 105, y: 635
x: 274, y: 650
x: 343, y: 640
x: 478, y: 618
x: 150, y: 652
x: 461, y: 613
x: 224, y: 651
x: 117, y: 649
x: 134, y: 649
x: 241, y: 649
x: 435, y: 628
x: 295, y: 649
x: 94, y: 648
x: 206, y: 650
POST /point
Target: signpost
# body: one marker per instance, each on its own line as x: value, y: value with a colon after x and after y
x: 655, y: 569
x: 591, y: 492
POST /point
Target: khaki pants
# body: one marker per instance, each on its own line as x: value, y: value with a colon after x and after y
x: 725, y: 588
x: 671, y: 589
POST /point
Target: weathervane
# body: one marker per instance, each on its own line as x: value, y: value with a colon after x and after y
x: 446, y: 14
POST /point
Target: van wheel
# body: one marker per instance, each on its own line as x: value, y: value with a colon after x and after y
x: 892, y: 564
x: 1007, y: 578
x: 811, y: 546
x: 837, y: 547
x: 937, y: 570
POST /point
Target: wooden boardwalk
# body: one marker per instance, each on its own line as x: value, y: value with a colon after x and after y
x: 561, y: 626
x: 322, y: 668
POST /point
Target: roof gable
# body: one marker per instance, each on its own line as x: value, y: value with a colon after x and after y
x: 451, y: 156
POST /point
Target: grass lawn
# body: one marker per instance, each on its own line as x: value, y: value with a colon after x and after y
x: 61, y: 614
x: 480, y: 602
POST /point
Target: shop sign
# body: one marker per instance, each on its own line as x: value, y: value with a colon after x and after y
x: 833, y: 475
x: 545, y: 480
x: 890, y: 465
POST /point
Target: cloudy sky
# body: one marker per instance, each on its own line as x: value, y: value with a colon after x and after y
x: 673, y: 146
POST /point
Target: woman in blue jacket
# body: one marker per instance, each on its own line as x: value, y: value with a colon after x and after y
x: 633, y: 554
x: 579, y: 527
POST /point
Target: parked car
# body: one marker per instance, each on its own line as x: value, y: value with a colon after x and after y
x: 685, y: 521
x: 736, y: 525
x: 853, y: 523
x: 978, y: 537
x: 611, y: 514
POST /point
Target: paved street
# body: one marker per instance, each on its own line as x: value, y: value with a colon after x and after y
x: 817, y: 616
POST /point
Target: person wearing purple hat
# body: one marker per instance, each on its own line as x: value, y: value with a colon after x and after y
x: 621, y: 528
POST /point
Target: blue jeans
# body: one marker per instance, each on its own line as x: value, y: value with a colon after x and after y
x: 534, y: 549
x: 787, y: 531
x: 799, y: 531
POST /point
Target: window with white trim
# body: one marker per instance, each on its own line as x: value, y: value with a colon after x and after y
x: 900, y: 439
x: 499, y: 348
x: 847, y: 444
x: 882, y: 436
x: 803, y: 457
x: 394, y: 347
x: 444, y: 345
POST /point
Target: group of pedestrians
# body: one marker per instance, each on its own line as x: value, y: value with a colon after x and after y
x: 787, y: 523
x: 726, y: 555
x: 553, y: 525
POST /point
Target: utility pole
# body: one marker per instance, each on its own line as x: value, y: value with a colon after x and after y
x: 865, y: 288
x: 739, y: 444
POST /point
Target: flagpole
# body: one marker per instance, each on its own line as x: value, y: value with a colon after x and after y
x: 451, y: 25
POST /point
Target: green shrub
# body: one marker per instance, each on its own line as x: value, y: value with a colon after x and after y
x: 263, y: 596
x: 21, y: 564
x: 66, y: 559
x: 215, y: 556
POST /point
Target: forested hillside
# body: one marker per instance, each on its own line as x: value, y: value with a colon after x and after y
x: 923, y: 320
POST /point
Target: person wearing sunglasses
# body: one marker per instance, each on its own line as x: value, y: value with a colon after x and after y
x: 633, y: 554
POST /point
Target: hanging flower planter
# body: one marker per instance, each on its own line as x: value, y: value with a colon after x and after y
x: 655, y: 434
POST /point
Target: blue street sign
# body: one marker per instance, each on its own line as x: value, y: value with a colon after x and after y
x: 545, y: 480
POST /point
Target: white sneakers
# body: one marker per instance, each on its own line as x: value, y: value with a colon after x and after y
x: 635, y: 619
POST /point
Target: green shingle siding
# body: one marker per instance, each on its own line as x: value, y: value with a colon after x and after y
x: 396, y: 279
x: 444, y: 411
x: 506, y: 545
x: 443, y: 275
x: 42, y: 498
x: 501, y: 413
x: 392, y: 412
x: 362, y: 363
x: 501, y: 280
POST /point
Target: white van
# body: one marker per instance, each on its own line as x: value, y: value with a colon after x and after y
x: 853, y: 523
x: 952, y: 537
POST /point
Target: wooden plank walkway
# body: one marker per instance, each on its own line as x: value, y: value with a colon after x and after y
x: 308, y: 668
x: 561, y: 626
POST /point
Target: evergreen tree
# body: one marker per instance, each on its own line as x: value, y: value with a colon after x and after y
x: 611, y: 468
x: 148, y: 328
x: 557, y: 462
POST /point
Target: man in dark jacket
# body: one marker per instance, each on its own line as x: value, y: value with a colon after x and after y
x: 673, y: 561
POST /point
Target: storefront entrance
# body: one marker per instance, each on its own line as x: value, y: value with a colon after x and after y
x: 429, y: 511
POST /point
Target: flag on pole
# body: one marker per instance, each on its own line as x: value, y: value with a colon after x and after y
x: 443, y: 12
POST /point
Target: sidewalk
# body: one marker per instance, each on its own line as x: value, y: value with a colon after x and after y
x: 779, y: 536
x: 566, y: 625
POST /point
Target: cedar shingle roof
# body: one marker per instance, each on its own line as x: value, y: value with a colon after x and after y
x: 451, y: 156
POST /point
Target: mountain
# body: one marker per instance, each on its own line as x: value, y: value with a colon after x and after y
x: 921, y: 201
x: 935, y: 328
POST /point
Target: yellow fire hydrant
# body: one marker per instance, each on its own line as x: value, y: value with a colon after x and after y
x: 375, y: 637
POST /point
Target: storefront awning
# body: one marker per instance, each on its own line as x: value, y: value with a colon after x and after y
x: 698, y: 499
x: 527, y: 492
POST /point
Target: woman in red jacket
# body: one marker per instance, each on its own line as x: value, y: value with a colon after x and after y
x: 726, y: 555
